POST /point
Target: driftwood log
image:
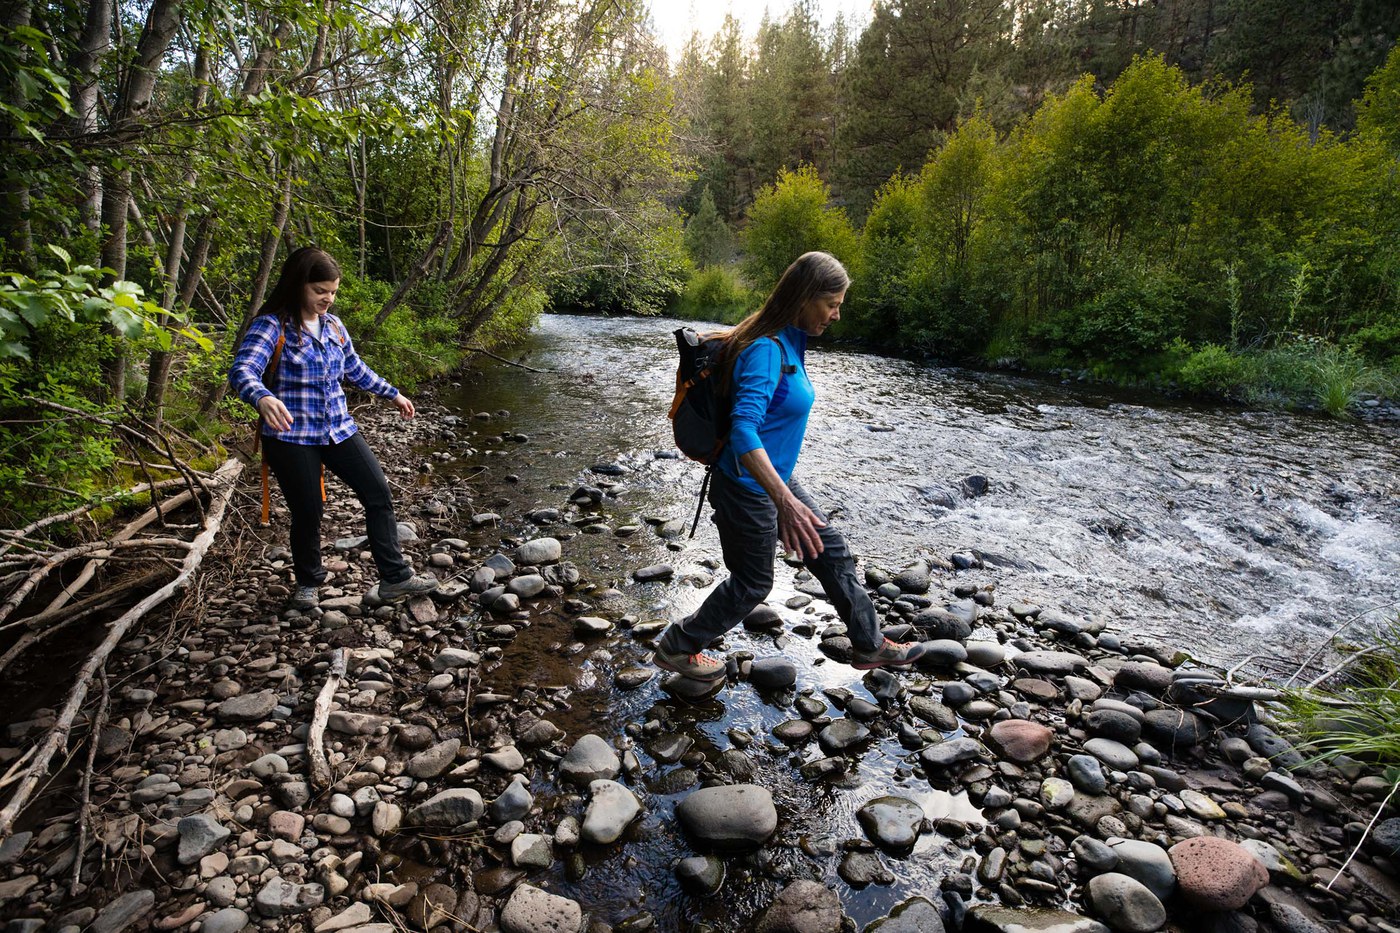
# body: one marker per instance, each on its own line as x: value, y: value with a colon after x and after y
x: 321, y: 774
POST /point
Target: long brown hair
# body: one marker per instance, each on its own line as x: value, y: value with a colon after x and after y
x: 302, y: 267
x: 811, y: 275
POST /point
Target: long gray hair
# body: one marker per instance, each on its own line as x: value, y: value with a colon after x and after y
x: 811, y: 275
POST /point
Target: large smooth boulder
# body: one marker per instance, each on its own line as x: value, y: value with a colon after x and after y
x: 1215, y: 873
x: 591, y: 759
x: 1126, y: 903
x: 610, y: 811
x: 738, y: 816
x: 539, y: 551
x: 1147, y: 863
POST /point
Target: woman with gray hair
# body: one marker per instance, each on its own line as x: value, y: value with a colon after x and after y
x: 756, y: 500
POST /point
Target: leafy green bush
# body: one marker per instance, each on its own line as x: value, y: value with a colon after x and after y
x: 716, y: 293
x: 1214, y: 369
x: 1379, y: 343
x: 416, y: 342
x: 1136, y: 315
x: 789, y: 218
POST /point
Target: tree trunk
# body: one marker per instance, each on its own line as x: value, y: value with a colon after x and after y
x: 95, y: 42
x: 415, y: 275
x: 15, y: 195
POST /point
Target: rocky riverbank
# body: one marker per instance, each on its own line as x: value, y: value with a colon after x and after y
x: 1095, y: 782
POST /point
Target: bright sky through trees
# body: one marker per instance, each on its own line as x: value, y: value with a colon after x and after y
x: 675, y: 20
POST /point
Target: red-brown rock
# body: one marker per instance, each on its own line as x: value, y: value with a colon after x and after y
x: 1020, y: 740
x: 1215, y: 873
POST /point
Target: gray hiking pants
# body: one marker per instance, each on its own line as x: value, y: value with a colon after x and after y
x: 748, y: 536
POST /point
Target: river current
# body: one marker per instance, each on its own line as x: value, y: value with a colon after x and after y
x: 1222, y: 531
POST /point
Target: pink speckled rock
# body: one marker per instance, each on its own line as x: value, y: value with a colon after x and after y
x: 1215, y: 873
x: 1020, y: 740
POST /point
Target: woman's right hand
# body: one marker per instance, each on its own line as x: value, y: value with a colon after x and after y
x: 797, y: 528
x: 274, y: 413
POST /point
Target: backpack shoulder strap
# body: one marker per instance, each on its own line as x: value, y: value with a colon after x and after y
x: 339, y: 331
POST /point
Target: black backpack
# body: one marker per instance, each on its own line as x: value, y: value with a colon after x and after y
x: 699, y: 414
x: 699, y: 410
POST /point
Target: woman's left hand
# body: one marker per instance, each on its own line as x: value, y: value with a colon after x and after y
x: 405, y: 405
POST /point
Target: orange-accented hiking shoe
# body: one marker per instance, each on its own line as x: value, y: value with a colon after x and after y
x: 695, y: 666
x: 889, y: 654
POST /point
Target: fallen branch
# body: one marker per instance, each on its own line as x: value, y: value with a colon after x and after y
x: 485, y: 352
x: 37, y: 575
x: 85, y: 801
x: 321, y: 776
x: 132, y: 527
x: 57, y: 737
x: 19, y: 534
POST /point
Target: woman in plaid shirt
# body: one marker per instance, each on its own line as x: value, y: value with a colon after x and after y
x: 306, y: 425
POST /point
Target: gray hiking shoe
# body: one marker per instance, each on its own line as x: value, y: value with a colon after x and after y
x: 695, y: 666
x: 889, y: 654
x: 304, y: 597
x: 415, y: 585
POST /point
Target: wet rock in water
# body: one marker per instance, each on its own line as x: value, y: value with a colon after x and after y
x: 934, y: 713
x: 507, y: 758
x: 1114, y: 754
x: 630, y: 678
x: 738, y: 816
x: 448, y: 808
x: 1020, y: 740
x: 611, y: 809
x: 1143, y: 675
x: 1216, y: 874
x: 1147, y: 863
x: 916, y: 915
x: 122, y: 912
x: 700, y: 874
x: 228, y: 920
x: 433, y: 761
x: 250, y: 707
x: 668, y: 748
x: 591, y: 759
x: 802, y: 907
x: 1049, y: 662
x: 793, y: 731
x: 531, y: 910
x: 539, y: 552
x: 862, y: 869
x: 1177, y: 726
x: 939, y: 624
x: 653, y: 574
x: 763, y: 619
x: 534, y: 733
x: 514, y: 802
x: 948, y: 753
x: 282, y: 898
x: 592, y: 625
x: 688, y: 688
x: 1126, y: 903
x: 773, y: 673
x: 842, y: 735
x: 989, y: 919
x: 892, y: 822
x: 199, y: 835
x: 822, y: 769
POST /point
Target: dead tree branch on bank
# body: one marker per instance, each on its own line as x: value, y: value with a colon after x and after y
x: 57, y: 737
x: 321, y: 774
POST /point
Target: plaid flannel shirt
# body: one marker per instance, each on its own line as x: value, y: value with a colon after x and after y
x: 307, y: 380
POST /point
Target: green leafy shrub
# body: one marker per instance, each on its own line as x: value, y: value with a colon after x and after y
x: 1379, y: 343
x: 1135, y: 316
x: 789, y: 218
x: 1214, y: 369
x: 716, y: 293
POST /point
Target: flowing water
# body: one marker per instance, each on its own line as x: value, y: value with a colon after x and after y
x: 1228, y: 533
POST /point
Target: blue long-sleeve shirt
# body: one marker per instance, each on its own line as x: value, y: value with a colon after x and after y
x: 307, y: 380
x: 770, y: 409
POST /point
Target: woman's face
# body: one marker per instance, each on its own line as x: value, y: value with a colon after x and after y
x: 317, y: 297
x: 820, y: 312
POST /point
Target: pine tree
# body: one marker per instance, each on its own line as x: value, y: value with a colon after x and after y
x: 707, y: 237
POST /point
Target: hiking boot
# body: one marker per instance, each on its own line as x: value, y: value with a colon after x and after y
x: 415, y: 585
x: 694, y: 666
x: 889, y: 654
x: 304, y: 597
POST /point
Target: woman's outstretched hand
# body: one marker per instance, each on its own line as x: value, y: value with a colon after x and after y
x: 274, y: 413
x: 405, y: 405
x: 798, y: 528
